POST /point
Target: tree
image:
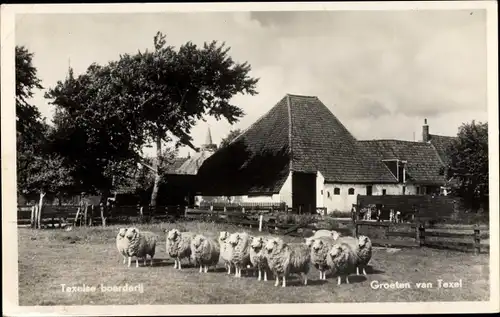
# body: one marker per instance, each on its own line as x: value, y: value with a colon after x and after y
x: 37, y: 170
x: 469, y: 164
x: 29, y: 123
x: 90, y: 134
x: 154, y: 97
x: 230, y: 137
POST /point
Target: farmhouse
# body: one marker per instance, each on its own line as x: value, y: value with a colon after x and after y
x: 301, y: 154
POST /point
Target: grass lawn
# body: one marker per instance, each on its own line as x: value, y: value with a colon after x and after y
x: 49, y: 258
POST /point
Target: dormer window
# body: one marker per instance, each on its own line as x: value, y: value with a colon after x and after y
x: 397, y: 168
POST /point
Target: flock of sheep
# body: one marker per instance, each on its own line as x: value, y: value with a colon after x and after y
x: 326, y: 250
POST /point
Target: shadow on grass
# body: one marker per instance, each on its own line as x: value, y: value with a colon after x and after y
x: 371, y: 270
x: 353, y: 279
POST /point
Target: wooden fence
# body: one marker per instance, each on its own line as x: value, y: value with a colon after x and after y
x: 423, y: 207
x: 471, y: 237
x: 418, y: 235
x: 89, y: 215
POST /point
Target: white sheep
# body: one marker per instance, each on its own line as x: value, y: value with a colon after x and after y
x: 287, y: 258
x: 121, y: 243
x: 258, y: 258
x: 364, y: 253
x: 225, y: 250
x: 322, y: 233
x: 319, y: 252
x: 205, y: 252
x: 178, y: 246
x: 240, y: 255
x: 140, y: 244
x: 342, y: 260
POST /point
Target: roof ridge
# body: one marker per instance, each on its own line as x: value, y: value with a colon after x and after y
x: 290, y: 148
x: 304, y: 96
x: 257, y: 121
x: 442, y: 136
x: 395, y: 140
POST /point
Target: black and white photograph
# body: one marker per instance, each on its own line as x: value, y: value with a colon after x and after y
x: 170, y: 157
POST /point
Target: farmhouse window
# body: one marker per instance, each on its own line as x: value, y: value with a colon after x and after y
x: 351, y: 191
x: 369, y: 190
x: 321, y: 192
x: 336, y: 191
x: 384, y: 191
x: 328, y: 193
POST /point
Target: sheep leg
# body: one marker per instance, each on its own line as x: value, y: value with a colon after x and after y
x: 129, y: 261
x: 305, y: 278
x: 260, y: 276
x: 179, y: 266
x: 284, y: 281
x: 265, y: 275
x: 347, y: 279
x: 357, y: 270
x: 206, y: 268
x: 175, y: 263
x: 277, y: 280
x: 229, y: 269
x: 136, y: 261
x: 145, y: 260
x: 124, y: 259
x: 364, y: 271
x: 339, y: 281
x: 151, y: 261
x: 201, y: 268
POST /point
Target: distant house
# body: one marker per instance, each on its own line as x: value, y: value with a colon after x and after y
x: 301, y: 154
x: 178, y: 183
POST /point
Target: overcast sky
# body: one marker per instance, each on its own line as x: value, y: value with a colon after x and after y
x: 380, y: 72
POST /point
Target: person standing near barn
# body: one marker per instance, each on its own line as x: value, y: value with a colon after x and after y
x: 398, y: 216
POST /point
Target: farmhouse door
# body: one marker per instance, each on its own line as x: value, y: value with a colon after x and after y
x: 304, y: 192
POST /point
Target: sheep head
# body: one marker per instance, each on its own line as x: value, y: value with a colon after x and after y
x: 122, y: 232
x: 132, y: 233
x: 223, y: 235
x: 198, y: 240
x: 317, y: 245
x: 363, y: 240
x: 173, y: 234
x: 257, y: 243
x: 274, y: 244
x: 309, y: 241
x: 336, y: 251
x: 335, y: 235
x: 234, y: 239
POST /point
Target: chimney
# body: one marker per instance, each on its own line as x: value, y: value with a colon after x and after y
x: 425, y: 132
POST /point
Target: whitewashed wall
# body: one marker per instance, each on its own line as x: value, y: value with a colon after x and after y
x: 275, y: 198
x: 320, y: 190
x: 286, y: 191
x: 344, y: 201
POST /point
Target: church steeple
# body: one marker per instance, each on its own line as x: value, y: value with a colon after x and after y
x: 209, y: 145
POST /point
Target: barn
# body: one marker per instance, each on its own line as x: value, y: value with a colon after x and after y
x: 301, y: 154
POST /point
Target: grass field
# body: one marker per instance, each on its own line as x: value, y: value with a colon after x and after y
x: 49, y: 258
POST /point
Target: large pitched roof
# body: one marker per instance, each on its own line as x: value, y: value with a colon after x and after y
x: 423, y: 163
x: 441, y: 144
x: 191, y: 165
x: 300, y: 134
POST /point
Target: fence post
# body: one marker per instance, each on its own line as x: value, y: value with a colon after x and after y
x: 417, y: 233
x: 355, y: 229
x: 39, y: 217
x: 421, y: 229
x: 85, y: 216
x: 477, y: 241
x: 33, y: 216
x: 77, y: 216
x: 91, y: 220
x: 103, y: 220
x: 260, y: 222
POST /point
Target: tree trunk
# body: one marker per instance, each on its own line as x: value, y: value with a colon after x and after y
x: 156, y: 166
x: 39, y: 214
